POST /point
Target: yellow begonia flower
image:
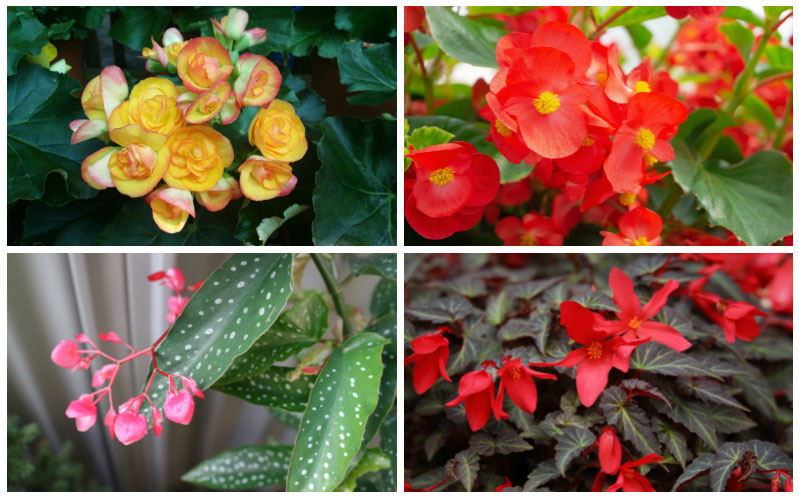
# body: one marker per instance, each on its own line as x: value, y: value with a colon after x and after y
x: 140, y: 165
x: 258, y: 80
x: 217, y: 198
x: 278, y: 133
x: 171, y: 208
x: 208, y: 104
x: 202, y: 63
x: 101, y: 96
x: 199, y: 157
x: 263, y: 179
x: 152, y: 105
x: 94, y: 169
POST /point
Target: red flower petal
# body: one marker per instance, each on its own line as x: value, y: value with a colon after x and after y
x: 478, y: 408
x: 567, y: 38
x: 664, y: 334
x: 486, y: 180
x: 592, y: 377
x: 579, y: 323
x: 609, y: 451
x: 555, y: 135
x: 623, y: 295
x: 658, y: 300
x: 624, y: 166
x: 641, y: 223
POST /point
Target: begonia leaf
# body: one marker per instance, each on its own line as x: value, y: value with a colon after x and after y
x: 373, y: 460
x: 388, y: 442
x: 540, y: 475
x: 730, y: 420
x: 462, y: 38
x: 570, y: 444
x: 453, y: 308
x: 498, y: 305
x: 136, y: 26
x: 727, y: 458
x: 25, y: 35
x: 692, y: 414
x: 248, y: 467
x: 631, y: 420
x: 658, y: 358
x: 273, y: 387
x: 384, y: 265
x: 464, y: 467
x: 369, y: 72
x: 314, y: 27
x: 769, y: 456
x: 672, y: 439
x: 384, y: 298
x: 709, y: 391
x: 698, y: 467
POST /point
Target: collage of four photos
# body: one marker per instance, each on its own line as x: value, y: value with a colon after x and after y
x: 207, y: 233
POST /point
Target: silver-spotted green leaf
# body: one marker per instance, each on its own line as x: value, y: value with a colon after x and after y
x: 294, y: 330
x: 541, y: 474
x: 272, y: 388
x: 658, y: 358
x: 630, y: 419
x: 373, y: 460
x: 730, y: 420
x: 709, y: 391
x: 384, y: 298
x: 388, y: 442
x: 672, y: 439
x: 698, y: 467
x: 288, y: 418
x: 251, y: 466
x: 464, y: 467
x: 769, y: 456
x: 378, y: 264
x: 344, y: 396
x: 728, y: 457
x: 233, y: 308
x: 573, y: 441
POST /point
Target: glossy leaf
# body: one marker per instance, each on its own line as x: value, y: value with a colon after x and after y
x: 464, y: 467
x: 631, y: 420
x: 370, y: 72
x: 515, y: 329
x: 698, y: 466
x: 509, y: 442
x: 461, y: 38
x: 272, y: 388
x: 595, y: 300
x: 343, y: 397
x: 388, y: 442
x: 233, y: 308
x: 694, y: 415
x: 727, y: 458
x: 709, y: 391
x: 25, y: 35
x: 541, y: 474
x: 498, y: 305
x: 369, y: 23
x: 769, y: 456
x: 444, y: 310
x: 378, y: 264
x: 384, y: 298
x: 635, y: 15
x: 427, y: 136
x: 741, y: 37
x: 657, y: 358
x: 356, y: 187
x: 573, y: 441
x: 672, y: 439
x: 251, y: 466
x: 730, y: 420
x: 373, y: 460
x: 136, y: 26
x: 315, y: 27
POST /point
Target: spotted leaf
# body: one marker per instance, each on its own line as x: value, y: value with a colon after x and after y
x: 332, y: 427
x: 273, y: 388
x: 251, y: 466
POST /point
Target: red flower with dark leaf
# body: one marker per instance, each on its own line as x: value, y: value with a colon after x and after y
x: 532, y: 229
x: 430, y: 353
x: 503, y: 486
x: 609, y: 451
x: 517, y: 380
x: 476, y: 391
x: 630, y: 480
x: 636, y: 322
x: 452, y: 185
x: 639, y: 227
x: 737, y: 319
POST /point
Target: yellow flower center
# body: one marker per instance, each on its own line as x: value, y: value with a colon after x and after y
x: 645, y: 139
x: 602, y: 78
x: 547, y: 102
x: 649, y: 159
x: 441, y: 177
x: 641, y: 242
x: 642, y: 87
x: 627, y: 198
x: 502, y: 129
x: 721, y: 307
x: 527, y: 240
x: 515, y: 373
x: 588, y: 141
x: 594, y: 350
x: 634, y: 323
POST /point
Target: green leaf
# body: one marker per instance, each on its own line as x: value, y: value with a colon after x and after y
x: 464, y: 467
x: 371, y: 71
x: 270, y: 224
x: 137, y: 25
x: 384, y: 298
x: 463, y: 39
x: 779, y: 57
x: 388, y: 442
x: 709, y: 391
x: 595, y: 300
x: 635, y: 15
x: 453, y: 308
x: 272, y: 388
x: 356, y: 187
x: 640, y: 35
x: 657, y: 358
x: 40, y: 108
x: 774, y: 12
x: 727, y: 458
x: 343, y: 397
x: 515, y: 329
x: 672, y: 439
x: 631, y: 420
x: 693, y: 415
x: 384, y: 265
x: 634, y: 386
x: 751, y: 199
x: 76, y: 223
x: 373, y: 460
x: 757, y: 109
x: 769, y: 456
x: 234, y: 307
x: 315, y: 27
x: 730, y: 420
x: 573, y: 441
x: 479, y: 344
x: 427, y: 136
x: 542, y: 473
x: 25, y: 35
x: 288, y: 418
x: 646, y: 264
x: 248, y: 467
x: 742, y: 14
x: 757, y: 392
x: 372, y: 24
x: 506, y: 443
x: 294, y: 330
x: 741, y: 37
x: 529, y: 289
x: 279, y: 25
x: 498, y: 305
x: 698, y: 466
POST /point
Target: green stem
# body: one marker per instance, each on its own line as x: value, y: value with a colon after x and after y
x: 334, y: 289
x: 786, y: 117
x: 429, y: 99
x: 674, y: 196
x: 607, y: 22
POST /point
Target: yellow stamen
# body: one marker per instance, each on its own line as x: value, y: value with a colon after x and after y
x: 515, y: 373
x: 641, y: 242
x: 627, y: 198
x: 594, y: 350
x: 502, y: 129
x: 642, y: 87
x: 441, y: 177
x: 645, y: 139
x: 588, y: 141
x: 547, y: 102
x: 649, y: 159
x: 635, y: 322
x: 527, y: 239
x: 602, y: 78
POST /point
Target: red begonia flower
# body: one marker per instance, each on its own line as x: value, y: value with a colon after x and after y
x: 508, y: 142
x: 532, y: 229
x: 630, y: 480
x: 652, y: 119
x: 609, y: 451
x: 737, y: 319
x: 503, y: 486
x: 600, y: 354
x: 430, y: 352
x: 639, y: 227
x: 635, y: 321
x: 528, y: 22
x: 517, y: 380
x: 414, y: 17
x: 698, y: 13
x: 453, y: 183
x: 780, y: 290
x: 476, y: 391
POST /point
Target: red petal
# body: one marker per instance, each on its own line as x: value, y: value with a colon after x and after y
x: 442, y: 227
x: 567, y: 38
x: 579, y: 323
x: 541, y: 69
x: 624, y: 166
x: 478, y: 408
x: 592, y: 377
x: 555, y: 135
x: 664, y: 334
x: 658, y: 300
x: 655, y: 111
x: 641, y: 223
x: 509, y: 229
x: 428, y: 343
x: 623, y: 294
x: 522, y: 392
x: 486, y: 180
x: 442, y: 200
x: 609, y: 451
x: 425, y: 372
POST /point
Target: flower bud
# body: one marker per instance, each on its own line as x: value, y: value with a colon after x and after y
x: 130, y: 427
x: 83, y: 411
x: 65, y: 354
x: 179, y: 407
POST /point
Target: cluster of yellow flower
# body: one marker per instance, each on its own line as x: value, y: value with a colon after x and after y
x: 163, y: 131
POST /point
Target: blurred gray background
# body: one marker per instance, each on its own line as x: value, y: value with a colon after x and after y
x: 54, y: 296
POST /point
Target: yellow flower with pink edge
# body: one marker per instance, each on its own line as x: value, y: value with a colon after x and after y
x: 258, y: 80
x: 264, y: 179
x: 136, y: 168
x: 278, y: 132
x: 161, y: 58
x: 171, y: 208
x: 94, y: 169
x: 202, y: 63
x: 152, y: 105
x: 208, y: 104
x: 199, y: 157
x: 100, y: 97
x: 217, y: 198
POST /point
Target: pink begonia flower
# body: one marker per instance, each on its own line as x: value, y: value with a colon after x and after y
x: 81, y: 338
x: 109, y: 337
x: 158, y: 419
x: 104, y: 374
x: 65, y: 354
x: 83, y: 411
x: 179, y: 407
x: 130, y: 427
x: 191, y: 386
x: 176, y: 304
x: 110, y: 416
x: 173, y: 278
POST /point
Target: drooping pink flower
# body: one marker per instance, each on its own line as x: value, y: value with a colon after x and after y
x: 609, y: 451
x: 158, y: 420
x: 179, y: 407
x: 173, y: 278
x: 191, y: 386
x: 130, y: 427
x: 65, y: 354
x: 109, y: 337
x: 110, y: 416
x: 83, y: 411
x: 103, y: 374
x: 176, y: 305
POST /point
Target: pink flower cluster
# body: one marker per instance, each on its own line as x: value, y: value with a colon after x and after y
x: 175, y: 280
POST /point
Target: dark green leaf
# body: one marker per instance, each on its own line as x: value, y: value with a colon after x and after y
x: 378, y: 264
x: 497, y: 307
x: 709, y: 391
x: 757, y: 109
x: 479, y: 344
x: 646, y: 264
x: 741, y: 37
x: 251, y: 466
x: 464, y: 467
x: 672, y: 439
x: 629, y: 418
x: 372, y: 71
x: 727, y: 458
x: 462, y: 38
x: 698, y: 466
x: 372, y: 24
x: 506, y: 443
x: 279, y: 25
x: 757, y: 392
x: 356, y: 188
x: 528, y: 290
x: 542, y: 473
x: 466, y: 286
x: 769, y: 456
x: 272, y: 388
x: 77, y: 223
x: 730, y: 420
x: 388, y: 442
x: 434, y: 442
x: 315, y: 27
x: 693, y: 415
x: 384, y: 298
x: 657, y: 358
x: 573, y: 441
x: 137, y: 25
x: 25, y: 35
x: 453, y: 308
x: 751, y: 199
x: 595, y: 300
x: 540, y: 324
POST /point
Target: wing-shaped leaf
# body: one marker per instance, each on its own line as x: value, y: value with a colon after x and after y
x: 698, y: 467
x: 332, y: 427
x: 570, y: 444
x: 595, y: 300
x: 769, y: 456
x: 759, y: 395
x: 379, y: 264
x: 272, y: 388
x: 373, y: 460
x: 645, y: 265
x: 530, y: 289
x: 672, y: 439
x: 233, y: 308
x: 514, y: 329
x: 508, y: 442
x: 497, y: 307
x: 251, y: 466
x: 462, y: 38
x: 727, y: 458
x: 657, y: 358
x: 730, y: 420
x: 693, y: 415
x: 541, y: 474
x: 452, y: 308
x: 631, y: 420
x: 464, y: 467
x: 709, y: 391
